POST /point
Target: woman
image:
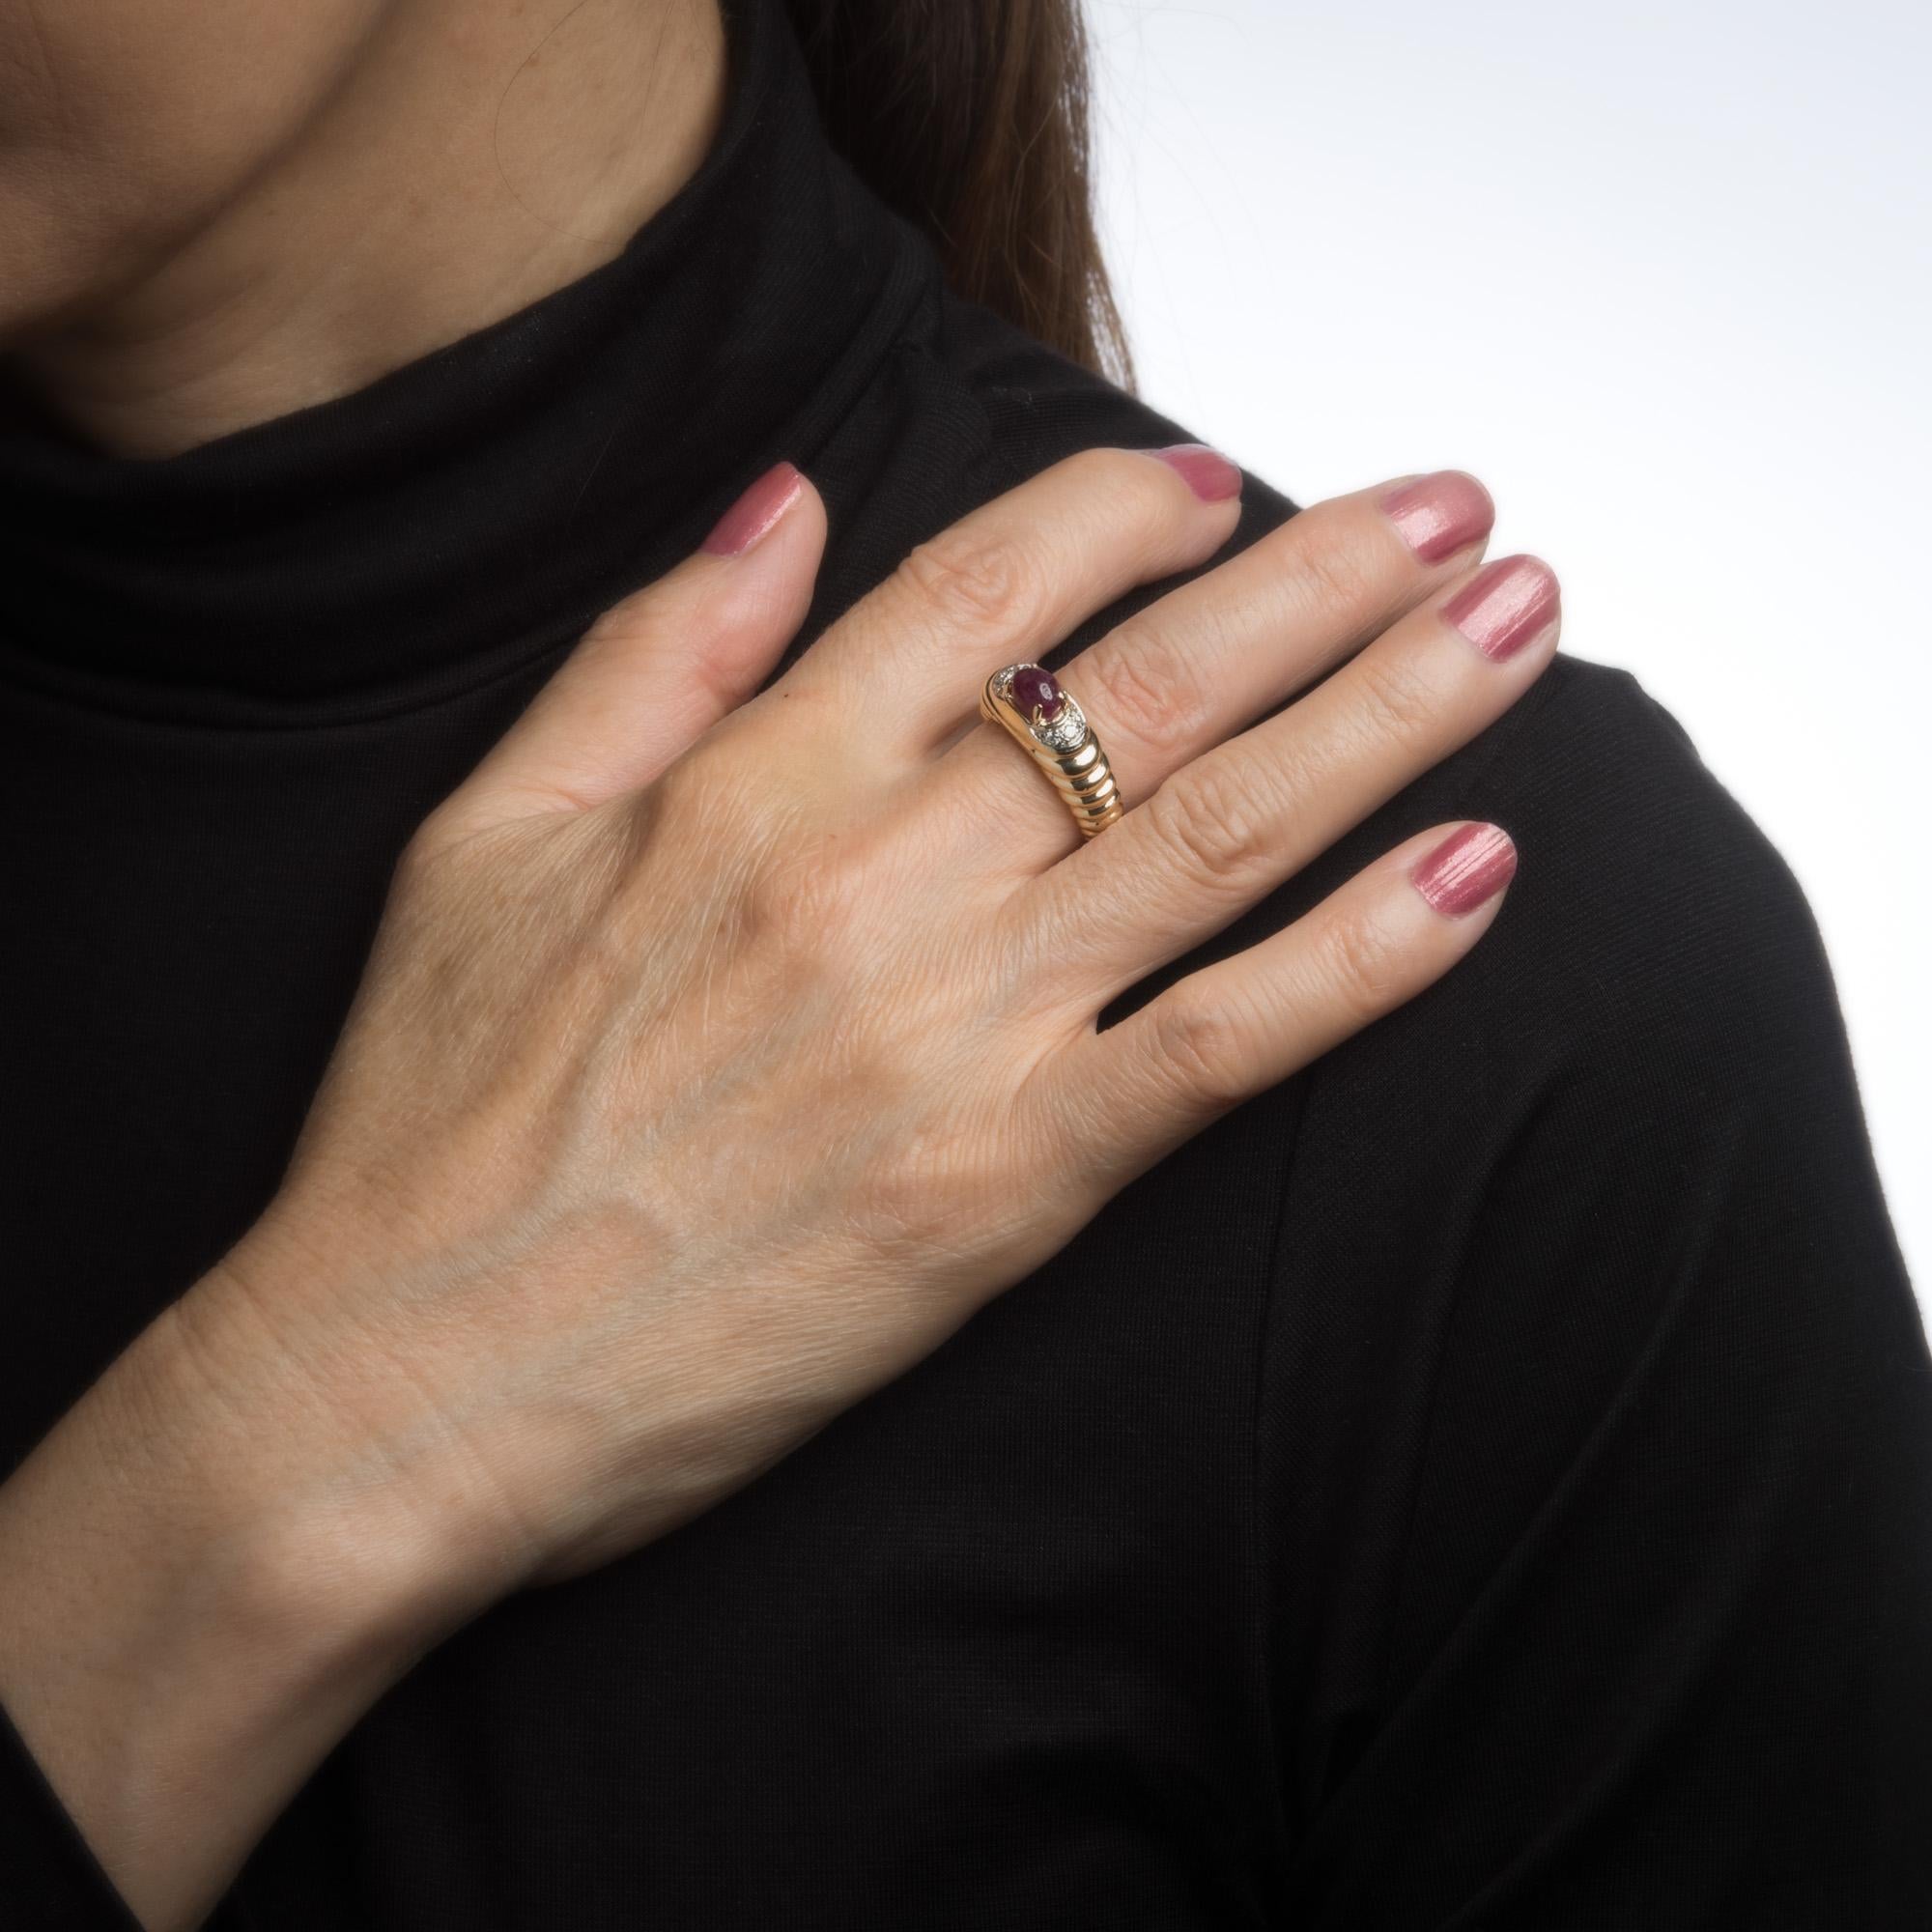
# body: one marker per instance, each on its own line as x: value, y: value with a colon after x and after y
x: 1475, y: 1474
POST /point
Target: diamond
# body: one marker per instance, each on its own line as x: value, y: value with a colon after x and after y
x: 1066, y: 732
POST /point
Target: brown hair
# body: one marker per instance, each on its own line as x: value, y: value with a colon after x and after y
x: 970, y: 117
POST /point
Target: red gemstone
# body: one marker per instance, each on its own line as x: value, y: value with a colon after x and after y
x: 1035, y: 689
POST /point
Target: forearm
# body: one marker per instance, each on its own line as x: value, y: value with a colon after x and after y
x: 205, y: 1578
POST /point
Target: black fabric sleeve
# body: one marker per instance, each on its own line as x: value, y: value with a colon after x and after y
x: 1654, y: 1645
x: 50, y: 1879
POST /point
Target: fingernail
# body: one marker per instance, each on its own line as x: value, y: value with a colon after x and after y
x: 1208, y: 474
x: 756, y: 513
x: 1505, y: 606
x: 1440, y: 514
x: 1469, y: 868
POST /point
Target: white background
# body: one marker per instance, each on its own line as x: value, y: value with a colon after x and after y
x: 1662, y: 275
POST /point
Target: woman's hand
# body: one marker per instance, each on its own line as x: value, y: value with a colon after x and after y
x: 719, y: 1058
x: 696, y: 1091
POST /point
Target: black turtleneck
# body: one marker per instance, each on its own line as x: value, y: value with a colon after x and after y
x: 1485, y: 1482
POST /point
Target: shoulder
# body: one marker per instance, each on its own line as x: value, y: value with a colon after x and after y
x: 1653, y: 924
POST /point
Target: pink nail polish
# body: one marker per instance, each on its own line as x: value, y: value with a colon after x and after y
x: 1208, y: 474
x: 1505, y: 606
x: 1469, y: 868
x: 756, y: 513
x: 1440, y: 514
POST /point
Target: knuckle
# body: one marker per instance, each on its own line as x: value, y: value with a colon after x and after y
x: 804, y: 902
x: 721, y: 679
x: 1148, y: 687
x: 1401, y: 702
x: 1201, y: 1050
x: 1337, y: 566
x: 655, y: 625
x: 1140, y: 504
x: 814, y: 900
x: 1104, y: 470
x: 1209, y: 819
x: 967, y: 578
x: 691, y: 796
x: 627, y: 621
x: 1367, y: 964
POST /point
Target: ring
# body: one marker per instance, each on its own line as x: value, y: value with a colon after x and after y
x: 1028, y: 699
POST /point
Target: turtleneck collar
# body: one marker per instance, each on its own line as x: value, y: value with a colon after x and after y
x: 476, y: 509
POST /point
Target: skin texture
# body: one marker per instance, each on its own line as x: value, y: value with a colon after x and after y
x: 381, y: 176
x: 711, y: 1065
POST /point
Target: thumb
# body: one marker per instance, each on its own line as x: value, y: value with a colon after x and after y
x: 658, y: 670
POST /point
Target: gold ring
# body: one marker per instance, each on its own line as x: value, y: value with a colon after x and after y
x: 1029, y: 702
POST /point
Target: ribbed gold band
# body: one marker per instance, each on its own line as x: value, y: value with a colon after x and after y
x: 1065, y: 748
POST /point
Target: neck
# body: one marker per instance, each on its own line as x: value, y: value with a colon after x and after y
x: 465, y: 166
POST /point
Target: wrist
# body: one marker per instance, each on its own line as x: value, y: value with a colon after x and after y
x: 206, y: 1577
x: 344, y: 1494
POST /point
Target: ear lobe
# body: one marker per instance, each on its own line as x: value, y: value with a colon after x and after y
x: 655, y: 673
